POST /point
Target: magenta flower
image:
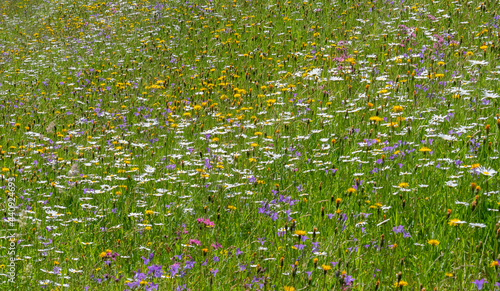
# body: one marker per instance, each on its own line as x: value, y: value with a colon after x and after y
x: 205, y: 221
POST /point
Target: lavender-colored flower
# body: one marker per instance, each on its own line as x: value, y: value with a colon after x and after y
x: 348, y: 280
x: 174, y: 269
x: 479, y: 283
x: 152, y: 286
x: 56, y: 270
x: 155, y: 270
x: 398, y: 229
x: 300, y: 246
x: 189, y: 265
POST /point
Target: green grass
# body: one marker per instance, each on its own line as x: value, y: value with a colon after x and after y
x: 369, y: 129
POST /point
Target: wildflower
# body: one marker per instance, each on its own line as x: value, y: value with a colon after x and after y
x: 448, y: 274
x: 486, y: 171
x: 473, y: 186
x: 300, y: 232
x: 205, y: 221
x: 400, y: 284
x: 455, y: 222
x: 403, y: 185
x: 397, y: 108
x: 376, y: 118
x: 479, y: 283
x: 289, y: 288
x: 494, y: 264
x: 348, y: 279
x: 433, y: 242
x: 424, y: 149
x: 351, y: 190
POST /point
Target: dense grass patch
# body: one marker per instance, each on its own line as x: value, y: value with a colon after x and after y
x: 250, y: 145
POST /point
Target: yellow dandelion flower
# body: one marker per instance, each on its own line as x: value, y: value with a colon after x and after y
x: 473, y: 166
x: 403, y: 185
x: 433, y: 242
x: 397, y: 108
x: 400, y: 284
x: 376, y: 118
x: 424, y: 149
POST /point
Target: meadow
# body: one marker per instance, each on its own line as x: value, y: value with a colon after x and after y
x: 249, y: 145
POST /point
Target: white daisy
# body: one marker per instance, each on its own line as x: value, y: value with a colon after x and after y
x: 485, y: 171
